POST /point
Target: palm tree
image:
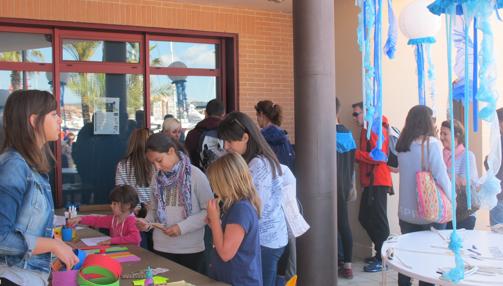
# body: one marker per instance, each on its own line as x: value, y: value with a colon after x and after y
x: 86, y: 88
x: 18, y: 56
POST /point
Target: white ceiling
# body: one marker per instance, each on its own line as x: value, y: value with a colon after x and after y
x: 284, y: 6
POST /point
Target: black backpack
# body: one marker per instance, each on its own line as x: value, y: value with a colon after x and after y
x: 210, y: 148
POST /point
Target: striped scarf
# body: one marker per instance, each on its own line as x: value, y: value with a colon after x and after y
x: 177, y: 179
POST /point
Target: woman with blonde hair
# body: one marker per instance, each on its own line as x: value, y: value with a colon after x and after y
x: 172, y: 127
x: 236, y: 258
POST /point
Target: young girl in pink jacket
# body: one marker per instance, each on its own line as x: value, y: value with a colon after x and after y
x: 122, y: 222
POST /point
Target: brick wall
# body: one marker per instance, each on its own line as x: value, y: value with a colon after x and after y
x: 265, y: 38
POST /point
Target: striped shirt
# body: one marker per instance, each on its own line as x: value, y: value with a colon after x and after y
x: 124, y: 175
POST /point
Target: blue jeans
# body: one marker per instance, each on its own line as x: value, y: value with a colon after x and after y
x: 406, y: 227
x: 496, y: 214
x: 270, y: 258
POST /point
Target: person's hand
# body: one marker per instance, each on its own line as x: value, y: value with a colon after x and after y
x: 65, y: 253
x: 73, y: 221
x: 105, y: 242
x: 173, y: 231
x: 213, y: 212
x: 142, y: 224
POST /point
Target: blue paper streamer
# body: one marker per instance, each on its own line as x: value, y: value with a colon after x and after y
x: 420, y: 74
x: 466, y: 109
x: 377, y: 153
x: 457, y: 273
x: 390, y: 46
x: 475, y: 77
x: 431, y: 79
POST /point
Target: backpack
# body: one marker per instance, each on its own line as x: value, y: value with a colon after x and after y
x: 210, y: 148
x: 393, y: 134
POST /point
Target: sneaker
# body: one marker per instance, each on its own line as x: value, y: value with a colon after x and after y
x: 346, y: 273
x: 340, y: 264
x: 373, y: 267
x: 370, y: 260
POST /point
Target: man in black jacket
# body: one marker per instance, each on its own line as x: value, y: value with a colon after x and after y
x: 345, y: 173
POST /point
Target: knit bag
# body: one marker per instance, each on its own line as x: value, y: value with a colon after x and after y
x: 432, y: 203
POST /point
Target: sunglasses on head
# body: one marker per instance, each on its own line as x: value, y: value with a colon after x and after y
x: 240, y: 124
x: 355, y: 114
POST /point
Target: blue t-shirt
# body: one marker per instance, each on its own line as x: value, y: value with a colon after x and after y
x: 245, y: 268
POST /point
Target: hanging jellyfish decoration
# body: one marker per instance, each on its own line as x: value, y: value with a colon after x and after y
x: 420, y: 26
x: 480, y: 90
x: 370, y: 41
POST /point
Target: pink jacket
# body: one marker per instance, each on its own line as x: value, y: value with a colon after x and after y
x: 121, y: 233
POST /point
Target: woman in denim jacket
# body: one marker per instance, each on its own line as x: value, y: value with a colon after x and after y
x: 26, y: 218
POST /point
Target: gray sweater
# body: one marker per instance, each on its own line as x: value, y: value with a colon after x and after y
x: 192, y: 227
x: 410, y: 164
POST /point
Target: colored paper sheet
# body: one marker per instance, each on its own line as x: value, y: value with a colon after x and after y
x: 64, y: 278
x: 157, y: 280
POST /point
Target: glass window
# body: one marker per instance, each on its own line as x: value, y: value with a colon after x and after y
x: 101, y: 51
x: 99, y: 112
x: 193, y: 55
x: 25, y: 47
x: 183, y: 97
x: 15, y: 80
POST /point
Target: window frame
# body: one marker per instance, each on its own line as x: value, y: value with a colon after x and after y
x: 228, y: 93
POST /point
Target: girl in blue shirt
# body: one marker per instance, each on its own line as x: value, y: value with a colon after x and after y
x: 236, y: 258
x: 30, y: 121
x: 241, y: 135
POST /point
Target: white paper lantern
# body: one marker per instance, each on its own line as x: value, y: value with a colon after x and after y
x: 417, y: 22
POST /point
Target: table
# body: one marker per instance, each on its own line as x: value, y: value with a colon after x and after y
x: 421, y: 254
x: 176, y: 271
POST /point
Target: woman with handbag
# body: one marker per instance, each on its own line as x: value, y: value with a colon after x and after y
x: 419, y: 152
x: 465, y: 218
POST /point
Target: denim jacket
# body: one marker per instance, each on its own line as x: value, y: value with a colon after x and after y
x: 26, y: 213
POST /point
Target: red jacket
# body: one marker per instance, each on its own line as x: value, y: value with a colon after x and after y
x: 382, y: 174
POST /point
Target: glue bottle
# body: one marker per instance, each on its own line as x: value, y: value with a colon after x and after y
x: 149, y: 277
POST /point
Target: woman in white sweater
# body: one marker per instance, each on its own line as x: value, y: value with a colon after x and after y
x: 419, y: 131
x: 180, y: 195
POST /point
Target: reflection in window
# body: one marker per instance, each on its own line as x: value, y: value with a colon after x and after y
x: 183, y: 97
x: 99, y: 112
x: 193, y: 55
x: 25, y: 47
x: 15, y: 80
x: 101, y: 51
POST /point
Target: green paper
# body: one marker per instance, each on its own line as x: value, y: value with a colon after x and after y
x: 157, y: 280
x: 107, y: 279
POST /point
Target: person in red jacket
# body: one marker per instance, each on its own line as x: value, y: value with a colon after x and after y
x: 375, y: 179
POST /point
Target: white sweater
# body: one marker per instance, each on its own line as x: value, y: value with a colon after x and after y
x: 191, y: 240
x: 409, y: 164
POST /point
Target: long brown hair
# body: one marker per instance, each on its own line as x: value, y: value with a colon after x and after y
x: 138, y: 163
x: 235, y: 125
x: 20, y: 135
x: 419, y: 123
x: 230, y: 179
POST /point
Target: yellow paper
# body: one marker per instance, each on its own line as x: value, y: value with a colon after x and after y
x: 157, y: 280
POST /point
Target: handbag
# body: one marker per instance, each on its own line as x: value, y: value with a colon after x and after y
x: 432, y: 203
x: 462, y: 211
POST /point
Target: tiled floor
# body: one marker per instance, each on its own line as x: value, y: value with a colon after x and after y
x: 369, y: 279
